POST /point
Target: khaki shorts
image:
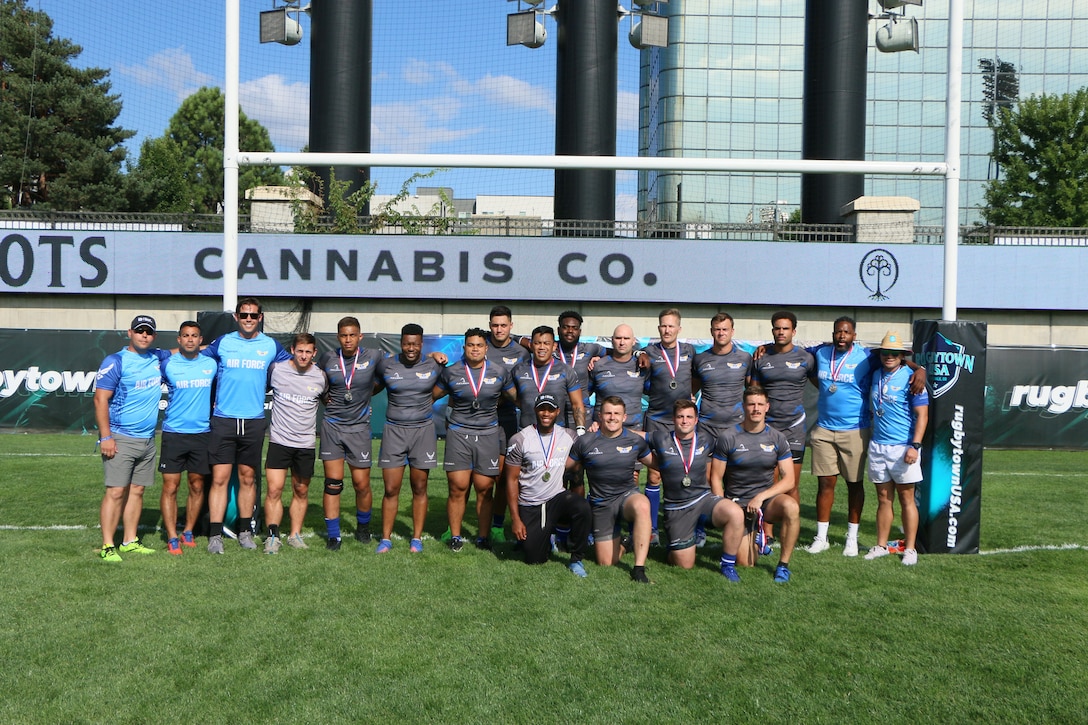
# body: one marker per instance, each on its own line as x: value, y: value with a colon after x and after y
x: 839, y: 453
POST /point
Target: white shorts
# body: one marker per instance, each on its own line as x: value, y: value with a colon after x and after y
x: 886, y: 465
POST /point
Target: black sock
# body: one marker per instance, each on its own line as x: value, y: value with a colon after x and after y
x: 215, y: 528
x: 274, y: 530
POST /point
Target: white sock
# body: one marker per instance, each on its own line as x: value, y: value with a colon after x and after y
x: 852, y: 531
x: 821, y: 530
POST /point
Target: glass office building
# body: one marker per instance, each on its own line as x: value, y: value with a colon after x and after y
x: 730, y: 85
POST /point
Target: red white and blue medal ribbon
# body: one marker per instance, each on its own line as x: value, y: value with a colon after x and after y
x: 541, y: 384
x: 553, y: 440
x: 690, y: 460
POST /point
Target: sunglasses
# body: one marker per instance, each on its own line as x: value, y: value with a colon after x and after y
x: 249, y: 315
x: 144, y: 331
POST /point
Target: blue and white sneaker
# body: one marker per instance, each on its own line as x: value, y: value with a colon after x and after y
x: 781, y: 574
x: 730, y: 573
x: 578, y: 569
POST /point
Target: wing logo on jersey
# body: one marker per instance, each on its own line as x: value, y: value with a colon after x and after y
x: 734, y: 366
x: 314, y: 389
x: 766, y: 447
x: 364, y: 366
x: 699, y: 450
x: 262, y: 353
x: 421, y: 376
x: 207, y: 371
x: 510, y: 360
x: 624, y: 449
x: 553, y: 377
x: 793, y: 365
x: 494, y: 462
x: 104, y: 371
x: 633, y: 374
x: 489, y: 381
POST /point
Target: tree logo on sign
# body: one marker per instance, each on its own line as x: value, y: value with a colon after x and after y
x: 879, y: 271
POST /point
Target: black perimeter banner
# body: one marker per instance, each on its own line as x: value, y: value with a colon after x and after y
x: 950, y: 497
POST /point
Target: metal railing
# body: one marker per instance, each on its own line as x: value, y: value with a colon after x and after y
x: 519, y: 226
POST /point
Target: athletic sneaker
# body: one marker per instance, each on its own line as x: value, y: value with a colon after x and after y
x: 173, y: 546
x: 730, y: 573
x: 628, y: 543
x: 456, y: 543
x: 655, y: 540
x: 384, y: 546
x: 910, y: 557
x: 362, y: 534
x: 638, y: 574
x: 850, y: 548
x: 897, y: 547
x: 554, y: 541
x: 781, y: 574
x: 818, y: 546
x: 332, y: 544
x: 578, y: 569
x: 876, y: 552
x: 135, y: 547
x: 483, y: 544
x: 700, y: 538
x: 272, y: 545
x: 416, y: 546
x: 109, y: 553
x: 447, y: 536
x: 498, y: 535
x: 187, y: 539
x: 215, y: 544
x: 295, y: 541
x: 245, y: 540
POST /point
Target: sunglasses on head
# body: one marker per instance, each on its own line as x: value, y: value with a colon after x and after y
x: 249, y: 315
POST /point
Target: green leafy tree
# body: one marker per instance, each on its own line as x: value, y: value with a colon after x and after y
x: 1040, y: 147
x: 158, y: 183
x: 194, y: 139
x: 59, y: 147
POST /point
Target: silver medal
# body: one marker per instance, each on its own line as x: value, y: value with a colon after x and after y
x: 347, y: 396
x: 686, y: 481
x: 672, y: 385
x: 547, y: 476
x: 879, y: 412
x: 832, y: 388
x: 475, y: 405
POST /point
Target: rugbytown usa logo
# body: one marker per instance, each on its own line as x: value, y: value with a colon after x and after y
x: 944, y: 360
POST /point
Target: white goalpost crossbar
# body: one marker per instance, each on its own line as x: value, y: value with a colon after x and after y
x: 233, y: 158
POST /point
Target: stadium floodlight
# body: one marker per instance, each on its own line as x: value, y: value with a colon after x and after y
x: 898, y: 35
x: 523, y: 29
x: 651, y: 31
x: 279, y: 27
x: 892, y: 4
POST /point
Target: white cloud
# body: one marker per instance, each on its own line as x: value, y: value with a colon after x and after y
x: 409, y: 128
x: 422, y: 72
x: 627, y: 111
x: 283, y: 108
x: 508, y: 91
x: 626, y: 207
x: 172, y: 69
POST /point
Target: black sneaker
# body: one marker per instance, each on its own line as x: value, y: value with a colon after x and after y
x: 332, y: 545
x: 362, y: 534
x: 628, y: 543
x: 457, y: 543
x: 483, y: 544
x: 638, y: 574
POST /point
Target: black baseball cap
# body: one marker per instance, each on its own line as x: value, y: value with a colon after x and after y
x: 143, y: 321
x: 546, y: 400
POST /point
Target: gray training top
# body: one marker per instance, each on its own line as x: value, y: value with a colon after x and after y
x: 721, y: 382
x: 528, y: 450
x: 356, y: 410
x: 558, y: 380
x: 609, y: 463
x: 408, y: 389
x: 750, y: 460
x: 295, y: 398
x: 784, y: 375
x: 490, y: 380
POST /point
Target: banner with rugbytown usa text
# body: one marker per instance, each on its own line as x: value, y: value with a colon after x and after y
x: 950, y: 497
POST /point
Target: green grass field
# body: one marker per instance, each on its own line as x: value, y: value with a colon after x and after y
x: 313, y: 636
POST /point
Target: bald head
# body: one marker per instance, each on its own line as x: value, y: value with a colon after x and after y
x: 623, y: 340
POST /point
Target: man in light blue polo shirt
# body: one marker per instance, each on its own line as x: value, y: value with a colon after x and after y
x: 126, y: 409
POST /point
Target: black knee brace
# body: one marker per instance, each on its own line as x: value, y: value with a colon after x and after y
x: 333, y: 486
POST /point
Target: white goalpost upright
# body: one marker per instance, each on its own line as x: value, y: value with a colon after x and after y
x: 233, y: 158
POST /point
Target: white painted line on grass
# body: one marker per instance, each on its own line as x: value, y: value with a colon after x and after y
x: 1052, y: 547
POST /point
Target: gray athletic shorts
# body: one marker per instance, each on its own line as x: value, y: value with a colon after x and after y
x: 416, y: 446
x: 795, y: 436
x: 351, y: 443
x: 680, y: 522
x: 479, y: 452
x: 608, y: 516
x: 134, y: 462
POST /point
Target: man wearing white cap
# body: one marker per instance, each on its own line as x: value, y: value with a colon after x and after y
x: 899, y: 422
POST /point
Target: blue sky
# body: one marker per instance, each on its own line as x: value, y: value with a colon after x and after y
x: 444, y: 80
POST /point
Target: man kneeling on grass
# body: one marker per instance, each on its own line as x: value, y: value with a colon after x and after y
x: 746, y: 457
x: 297, y: 386
x: 535, y: 462
x: 682, y: 457
x: 610, y: 458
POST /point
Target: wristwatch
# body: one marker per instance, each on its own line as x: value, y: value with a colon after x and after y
x: 916, y: 446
